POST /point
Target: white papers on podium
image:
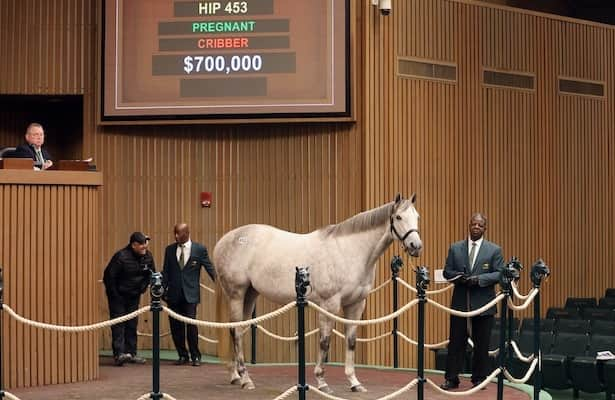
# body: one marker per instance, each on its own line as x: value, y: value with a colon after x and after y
x: 605, y: 355
x: 439, y: 277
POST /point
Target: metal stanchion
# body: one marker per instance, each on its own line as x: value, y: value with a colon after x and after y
x: 422, y: 280
x: 539, y: 272
x: 253, y: 331
x: 396, y: 265
x: 302, y: 281
x: 515, y: 266
x: 506, y: 284
x: 156, y: 292
x: 1, y: 332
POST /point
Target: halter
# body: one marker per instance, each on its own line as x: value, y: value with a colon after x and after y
x: 396, y: 234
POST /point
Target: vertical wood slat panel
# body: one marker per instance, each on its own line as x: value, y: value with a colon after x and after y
x: 40, y: 282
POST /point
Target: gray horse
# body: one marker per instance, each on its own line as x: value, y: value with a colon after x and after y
x: 260, y: 259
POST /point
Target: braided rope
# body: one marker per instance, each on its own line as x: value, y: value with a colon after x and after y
x: 379, y: 287
x: 361, y: 340
x: 147, y: 334
x: 468, y: 313
x: 389, y: 396
x: 223, y: 325
x: 363, y: 322
x: 287, y: 393
x: 285, y: 338
x: 81, y: 328
x: 208, y: 340
x: 474, y: 390
x: 147, y: 396
x: 436, y: 291
x: 10, y: 396
x: 516, y: 292
x: 525, y: 304
x: 210, y: 290
x: 520, y: 356
x: 440, y: 345
x: 527, y: 375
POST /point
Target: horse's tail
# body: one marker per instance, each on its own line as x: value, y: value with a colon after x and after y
x: 225, y: 344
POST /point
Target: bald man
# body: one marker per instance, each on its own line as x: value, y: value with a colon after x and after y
x: 181, y: 271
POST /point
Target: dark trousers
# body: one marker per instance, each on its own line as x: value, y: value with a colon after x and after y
x: 458, y: 339
x: 181, y: 331
x: 124, y: 335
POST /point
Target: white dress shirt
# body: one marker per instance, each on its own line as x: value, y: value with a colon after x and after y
x: 478, y: 243
x: 187, y: 248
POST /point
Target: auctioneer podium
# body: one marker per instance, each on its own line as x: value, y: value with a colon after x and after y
x: 48, y: 251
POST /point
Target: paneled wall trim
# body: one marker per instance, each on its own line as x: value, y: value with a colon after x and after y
x: 537, y: 162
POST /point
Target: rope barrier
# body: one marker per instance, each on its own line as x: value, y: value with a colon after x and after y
x: 223, y: 325
x: 10, y: 396
x: 208, y: 340
x: 413, y: 289
x: 210, y: 290
x: 287, y: 393
x: 404, y: 389
x: 474, y: 390
x: 516, y: 292
x: 367, y: 321
x: 520, y: 356
x: 440, y: 345
x: 527, y: 375
x: 360, y: 340
x: 81, y: 328
x: 379, y: 287
x: 469, y: 313
x: 285, y: 338
x: 527, y: 302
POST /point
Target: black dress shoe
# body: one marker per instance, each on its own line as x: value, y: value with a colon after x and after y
x: 448, y: 385
x: 181, y: 361
x: 196, y: 362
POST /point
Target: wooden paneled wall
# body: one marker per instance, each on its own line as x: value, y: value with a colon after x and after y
x: 535, y: 161
x: 47, y: 249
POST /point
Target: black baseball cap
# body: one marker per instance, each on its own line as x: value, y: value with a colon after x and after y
x: 139, y: 237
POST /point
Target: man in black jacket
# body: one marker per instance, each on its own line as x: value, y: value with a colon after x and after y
x: 126, y: 277
x: 475, y: 264
x: 182, y: 275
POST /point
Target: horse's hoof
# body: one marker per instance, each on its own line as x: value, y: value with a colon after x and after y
x: 326, y: 389
x: 248, y: 386
x: 235, y: 381
x: 358, y: 388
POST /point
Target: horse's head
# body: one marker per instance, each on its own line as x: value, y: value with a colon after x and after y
x: 405, y: 225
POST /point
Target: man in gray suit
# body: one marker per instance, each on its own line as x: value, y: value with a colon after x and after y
x: 475, y: 264
x: 182, y: 275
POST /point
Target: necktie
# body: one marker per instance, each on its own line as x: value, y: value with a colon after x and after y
x: 39, y: 156
x: 181, y: 256
x: 472, y: 253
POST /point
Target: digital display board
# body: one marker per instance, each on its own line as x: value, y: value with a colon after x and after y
x: 250, y: 59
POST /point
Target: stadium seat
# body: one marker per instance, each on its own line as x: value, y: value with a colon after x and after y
x: 602, y: 327
x: 563, y: 313
x: 580, y: 302
x: 585, y: 371
x: 546, y: 325
x: 556, y: 365
x: 609, y: 378
x: 518, y: 368
x: 580, y: 326
x: 610, y: 292
x: 607, y: 302
x: 598, y: 313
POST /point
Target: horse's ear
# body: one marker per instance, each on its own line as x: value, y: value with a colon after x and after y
x: 413, y: 198
x: 397, y: 198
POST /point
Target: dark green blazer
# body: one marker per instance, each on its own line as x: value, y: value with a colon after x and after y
x: 488, y: 266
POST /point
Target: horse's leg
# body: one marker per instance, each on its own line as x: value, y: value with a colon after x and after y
x: 236, y: 310
x: 248, y: 307
x: 352, y: 311
x: 326, y: 325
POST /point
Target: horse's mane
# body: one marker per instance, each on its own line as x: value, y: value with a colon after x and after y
x: 360, y: 222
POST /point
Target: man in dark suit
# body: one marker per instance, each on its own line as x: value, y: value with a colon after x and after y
x: 477, y: 265
x: 182, y: 275
x: 33, y: 148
